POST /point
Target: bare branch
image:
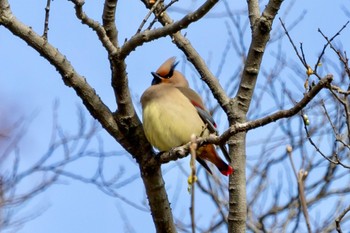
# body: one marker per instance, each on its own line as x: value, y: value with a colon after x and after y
x: 109, y: 21
x: 340, y: 217
x: 192, y: 180
x: 329, y: 42
x: 46, y: 22
x: 300, y: 177
x: 260, y: 36
x: 169, y: 28
x: 301, y: 58
x: 94, y: 25
x: 163, y: 10
x: 239, y: 127
x: 147, y: 16
x: 254, y: 11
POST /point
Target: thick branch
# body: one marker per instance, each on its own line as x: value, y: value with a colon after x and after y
x: 126, y: 118
x: 261, y: 28
x: 260, y: 36
x: 158, y: 199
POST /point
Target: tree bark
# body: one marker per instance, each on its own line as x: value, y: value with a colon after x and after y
x: 158, y: 199
x: 261, y: 27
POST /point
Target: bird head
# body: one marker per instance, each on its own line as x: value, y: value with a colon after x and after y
x: 166, y: 74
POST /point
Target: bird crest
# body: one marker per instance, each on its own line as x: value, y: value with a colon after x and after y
x: 166, y: 70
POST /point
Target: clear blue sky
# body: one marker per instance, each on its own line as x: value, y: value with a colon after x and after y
x: 30, y: 84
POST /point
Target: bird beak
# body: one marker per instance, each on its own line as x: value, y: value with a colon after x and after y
x: 156, y: 78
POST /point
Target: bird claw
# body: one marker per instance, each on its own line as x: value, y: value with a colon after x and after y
x: 159, y: 154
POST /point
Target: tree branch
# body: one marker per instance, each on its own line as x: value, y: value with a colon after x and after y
x: 340, y: 217
x: 95, y: 26
x: 108, y: 18
x: 154, y: 6
x: 254, y: 11
x: 260, y: 36
x: 125, y: 117
x: 300, y: 177
x: 46, y: 21
x: 239, y: 106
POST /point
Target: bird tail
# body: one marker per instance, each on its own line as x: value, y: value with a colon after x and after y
x: 208, y: 152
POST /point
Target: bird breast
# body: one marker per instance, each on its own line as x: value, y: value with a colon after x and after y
x: 169, y: 118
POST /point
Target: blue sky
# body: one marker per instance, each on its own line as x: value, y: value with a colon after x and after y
x: 30, y: 84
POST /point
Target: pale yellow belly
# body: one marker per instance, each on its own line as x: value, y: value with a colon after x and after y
x: 170, y: 125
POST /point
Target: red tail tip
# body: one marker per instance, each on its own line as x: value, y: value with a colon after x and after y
x: 228, y: 171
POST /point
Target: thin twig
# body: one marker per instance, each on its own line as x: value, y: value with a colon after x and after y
x: 316, y: 147
x: 301, y: 58
x: 340, y: 217
x: 46, y: 23
x: 164, y: 9
x: 300, y: 176
x: 192, y: 179
x: 147, y: 16
x: 301, y: 183
x: 302, y: 53
x: 328, y: 43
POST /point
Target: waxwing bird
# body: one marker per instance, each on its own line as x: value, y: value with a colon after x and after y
x: 172, y: 112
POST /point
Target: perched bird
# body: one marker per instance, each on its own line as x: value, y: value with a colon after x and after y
x: 172, y: 112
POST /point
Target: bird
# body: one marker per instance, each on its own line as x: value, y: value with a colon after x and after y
x: 172, y: 112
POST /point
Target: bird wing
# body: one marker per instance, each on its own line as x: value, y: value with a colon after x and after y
x: 197, y: 102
